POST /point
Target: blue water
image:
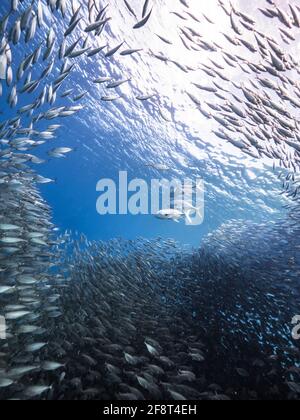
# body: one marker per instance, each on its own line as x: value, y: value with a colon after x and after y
x: 130, y: 135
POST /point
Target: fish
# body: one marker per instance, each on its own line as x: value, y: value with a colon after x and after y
x: 144, y: 21
x: 5, y: 382
x: 95, y: 51
x: 16, y: 315
x: 20, y: 371
x: 36, y: 390
x: 173, y: 214
x: 106, y: 98
x: 95, y: 26
x: 131, y: 51
x: 100, y: 80
x: 130, y: 9
x: 165, y: 40
x: 62, y: 150
x: 145, y: 8
x: 113, y: 51
x: 113, y: 85
x: 145, y: 97
x: 147, y: 327
x: 51, y: 366
x: 72, y: 26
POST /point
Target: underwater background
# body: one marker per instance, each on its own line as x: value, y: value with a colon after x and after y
x: 136, y: 307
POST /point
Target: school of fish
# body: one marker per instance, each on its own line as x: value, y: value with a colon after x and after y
x: 146, y: 320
